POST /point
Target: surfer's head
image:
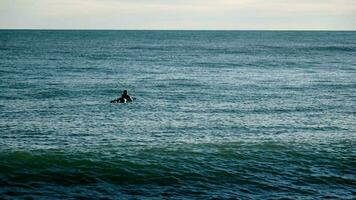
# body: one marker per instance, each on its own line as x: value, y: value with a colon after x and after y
x: 125, y: 92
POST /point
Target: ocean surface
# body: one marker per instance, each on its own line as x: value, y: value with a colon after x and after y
x: 217, y: 115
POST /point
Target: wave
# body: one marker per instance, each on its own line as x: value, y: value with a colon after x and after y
x: 240, y: 169
x: 309, y: 48
x: 331, y: 48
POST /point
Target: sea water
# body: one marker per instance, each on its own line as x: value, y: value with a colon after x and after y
x: 217, y: 114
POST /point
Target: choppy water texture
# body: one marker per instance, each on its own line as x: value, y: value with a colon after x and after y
x: 249, y: 115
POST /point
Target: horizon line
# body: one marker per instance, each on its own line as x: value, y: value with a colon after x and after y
x: 108, y: 29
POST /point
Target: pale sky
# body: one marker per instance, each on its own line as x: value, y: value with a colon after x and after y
x: 179, y: 14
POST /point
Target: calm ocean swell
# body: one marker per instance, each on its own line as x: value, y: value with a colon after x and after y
x: 241, y: 169
x: 218, y: 114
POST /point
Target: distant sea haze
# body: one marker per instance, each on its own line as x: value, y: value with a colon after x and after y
x: 217, y: 114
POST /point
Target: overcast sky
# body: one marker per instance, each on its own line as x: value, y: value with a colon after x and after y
x: 179, y: 14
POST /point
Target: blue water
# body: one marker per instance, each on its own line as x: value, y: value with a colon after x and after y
x: 218, y: 114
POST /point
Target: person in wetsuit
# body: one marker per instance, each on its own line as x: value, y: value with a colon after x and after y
x: 126, y: 96
x: 123, y: 99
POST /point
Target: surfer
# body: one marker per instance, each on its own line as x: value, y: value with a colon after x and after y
x: 123, y: 99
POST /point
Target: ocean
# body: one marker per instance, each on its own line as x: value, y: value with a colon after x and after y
x: 216, y: 115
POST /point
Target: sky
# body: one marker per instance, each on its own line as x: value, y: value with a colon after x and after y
x: 179, y: 14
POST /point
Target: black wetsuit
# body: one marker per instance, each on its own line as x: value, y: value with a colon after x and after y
x: 123, y: 99
x: 127, y: 97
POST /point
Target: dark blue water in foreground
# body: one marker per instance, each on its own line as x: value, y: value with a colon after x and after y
x: 249, y: 115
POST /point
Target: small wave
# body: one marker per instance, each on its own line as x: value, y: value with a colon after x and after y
x: 5, y: 48
x: 142, y: 48
x: 209, y: 168
x: 331, y: 48
x: 311, y: 48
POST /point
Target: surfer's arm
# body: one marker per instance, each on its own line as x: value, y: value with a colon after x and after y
x: 129, y: 98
